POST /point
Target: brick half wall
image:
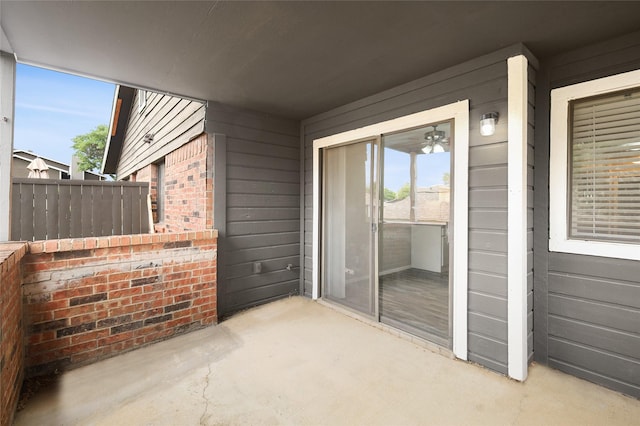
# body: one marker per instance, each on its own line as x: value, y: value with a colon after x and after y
x: 93, y: 298
x: 11, y: 329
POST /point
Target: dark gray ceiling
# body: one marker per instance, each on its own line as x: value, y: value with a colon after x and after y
x: 294, y: 59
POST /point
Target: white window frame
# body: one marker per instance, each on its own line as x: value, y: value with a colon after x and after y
x: 559, y: 168
x: 142, y: 100
x: 459, y: 112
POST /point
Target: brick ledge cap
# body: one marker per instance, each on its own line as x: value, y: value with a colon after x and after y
x: 71, y: 244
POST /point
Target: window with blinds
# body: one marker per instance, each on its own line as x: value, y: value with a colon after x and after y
x: 604, y: 173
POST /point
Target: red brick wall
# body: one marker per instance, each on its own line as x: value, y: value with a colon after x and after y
x: 92, y: 298
x: 11, y: 330
x: 188, y: 188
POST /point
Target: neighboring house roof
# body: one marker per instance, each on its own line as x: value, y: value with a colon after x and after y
x: 146, y: 126
x: 29, y: 156
x: 117, y: 128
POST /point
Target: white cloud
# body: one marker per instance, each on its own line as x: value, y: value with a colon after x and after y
x: 59, y: 110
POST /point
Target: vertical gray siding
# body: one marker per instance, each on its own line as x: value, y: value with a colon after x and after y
x: 172, y: 120
x: 262, y: 206
x: 484, y: 82
x: 587, y: 308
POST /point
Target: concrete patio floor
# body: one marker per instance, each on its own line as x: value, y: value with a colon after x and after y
x: 299, y: 362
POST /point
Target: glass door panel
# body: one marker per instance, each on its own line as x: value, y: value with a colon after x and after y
x: 349, y: 225
x: 414, y: 227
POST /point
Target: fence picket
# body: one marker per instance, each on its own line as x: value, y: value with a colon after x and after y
x: 26, y: 212
x: 116, y: 209
x: 144, y: 208
x: 51, y: 216
x: 76, y: 205
x: 88, y: 202
x: 40, y: 212
x: 64, y: 211
x: 106, y: 223
x: 127, y: 208
x: 16, y: 212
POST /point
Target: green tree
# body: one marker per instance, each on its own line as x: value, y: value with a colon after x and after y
x: 403, y: 192
x: 389, y: 195
x: 90, y: 148
x: 446, y: 178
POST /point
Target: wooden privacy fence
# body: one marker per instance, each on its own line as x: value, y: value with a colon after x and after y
x: 45, y: 209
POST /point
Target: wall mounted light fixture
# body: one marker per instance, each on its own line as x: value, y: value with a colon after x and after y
x: 488, y: 123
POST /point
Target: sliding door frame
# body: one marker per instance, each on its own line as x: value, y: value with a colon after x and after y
x: 459, y: 113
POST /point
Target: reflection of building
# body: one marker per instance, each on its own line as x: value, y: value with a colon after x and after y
x: 432, y: 205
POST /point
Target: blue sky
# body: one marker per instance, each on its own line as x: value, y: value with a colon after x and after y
x: 52, y: 108
x: 431, y: 168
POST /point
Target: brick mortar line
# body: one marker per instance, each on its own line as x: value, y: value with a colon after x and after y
x: 67, y: 244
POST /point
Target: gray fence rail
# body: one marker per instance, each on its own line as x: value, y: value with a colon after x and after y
x: 45, y: 209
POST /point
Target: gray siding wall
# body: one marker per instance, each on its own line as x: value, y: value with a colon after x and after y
x: 172, y: 120
x: 484, y: 82
x: 262, y: 212
x: 587, y: 309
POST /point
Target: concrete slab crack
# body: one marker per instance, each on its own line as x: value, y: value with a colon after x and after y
x: 203, y: 417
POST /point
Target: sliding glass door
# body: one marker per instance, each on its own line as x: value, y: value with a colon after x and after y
x: 349, y: 225
x: 414, y: 231
x: 385, y: 228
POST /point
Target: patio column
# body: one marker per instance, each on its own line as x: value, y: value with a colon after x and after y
x: 7, y: 99
x: 517, y: 255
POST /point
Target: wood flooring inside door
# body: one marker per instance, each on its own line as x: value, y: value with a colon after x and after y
x: 418, y: 299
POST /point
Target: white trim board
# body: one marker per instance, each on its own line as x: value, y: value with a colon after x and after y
x: 559, y: 163
x: 459, y: 111
x: 7, y: 114
x: 517, y: 218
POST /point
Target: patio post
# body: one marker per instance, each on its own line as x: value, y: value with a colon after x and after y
x: 7, y: 99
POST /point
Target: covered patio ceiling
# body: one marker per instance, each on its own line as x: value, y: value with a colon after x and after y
x: 294, y: 59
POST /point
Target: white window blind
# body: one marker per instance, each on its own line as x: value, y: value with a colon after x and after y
x: 604, y: 176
